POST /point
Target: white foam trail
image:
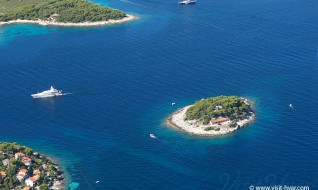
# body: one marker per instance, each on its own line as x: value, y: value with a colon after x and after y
x: 133, y: 3
x: 64, y: 94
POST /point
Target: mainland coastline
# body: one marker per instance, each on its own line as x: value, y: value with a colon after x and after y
x: 215, y: 127
x: 128, y: 18
x: 22, y: 168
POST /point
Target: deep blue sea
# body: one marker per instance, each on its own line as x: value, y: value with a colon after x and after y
x: 122, y: 80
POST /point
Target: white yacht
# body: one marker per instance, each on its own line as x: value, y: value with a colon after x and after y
x: 48, y: 93
x: 186, y: 2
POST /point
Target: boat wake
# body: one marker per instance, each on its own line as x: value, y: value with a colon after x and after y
x: 65, y: 94
x: 130, y: 2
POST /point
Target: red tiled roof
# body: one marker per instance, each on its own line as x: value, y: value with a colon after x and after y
x: 26, y: 159
x: 23, y: 171
x: 220, y: 119
x: 19, y: 154
x: 32, y: 179
x: 3, y: 173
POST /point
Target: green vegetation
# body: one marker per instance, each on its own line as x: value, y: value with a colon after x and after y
x: 208, y: 128
x: 211, y: 128
x: 75, y: 11
x: 233, y: 124
x: 44, y: 187
x: 221, y: 106
x: 39, y: 168
x: 8, y: 5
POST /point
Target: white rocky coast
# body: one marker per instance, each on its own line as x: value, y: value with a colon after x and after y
x: 81, y: 24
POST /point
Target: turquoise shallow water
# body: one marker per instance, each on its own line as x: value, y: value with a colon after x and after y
x: 123, y: 78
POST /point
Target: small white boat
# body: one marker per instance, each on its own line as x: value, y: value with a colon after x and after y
x: 97, y: 181
x: 291, y: 106
x: 48, y: 93
x: 152, y: 136
x: 187, y: 2
x: 173, y: 103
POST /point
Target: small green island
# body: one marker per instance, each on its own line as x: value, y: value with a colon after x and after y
x: 23, y: 169
x: 59, y: 13
x: 214, y: 116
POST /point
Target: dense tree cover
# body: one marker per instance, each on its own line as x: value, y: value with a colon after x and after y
x: 221, y: 106
x: 44, y: 187
x: 39, y: 161
x: 8, y: 5
x: 14, y: 147
x: 74, y: 11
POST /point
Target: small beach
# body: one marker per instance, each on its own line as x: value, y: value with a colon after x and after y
x: 196, y: 128
x: 82, y: 24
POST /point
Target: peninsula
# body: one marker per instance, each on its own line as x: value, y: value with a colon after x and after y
x: 214, y: 116
x: 21, y: 168
x: 59, y: 13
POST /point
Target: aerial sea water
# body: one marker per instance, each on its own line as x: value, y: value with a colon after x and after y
x: 122, y: 80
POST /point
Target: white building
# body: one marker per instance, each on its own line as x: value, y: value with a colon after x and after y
x: 30, y: 181
x: 26, y: 161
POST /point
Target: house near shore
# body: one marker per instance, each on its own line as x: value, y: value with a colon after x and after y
x: 3, y: 174
x: 219, y: 120
x: 19, y: 155
x: 22, y: 174
x: 26, y: 161
x: 31, y: 180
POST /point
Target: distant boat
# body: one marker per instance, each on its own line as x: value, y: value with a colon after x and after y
x: 173, y: 103
x: 152, y: 136
x: 291, y: 106
x: 97, y: 181
x: 48, y: 93
x: 187, y: 2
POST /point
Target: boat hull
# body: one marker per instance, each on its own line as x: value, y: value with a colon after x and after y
x: 45, y: 96
x: 187, y: 3
x: 48, y: 93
